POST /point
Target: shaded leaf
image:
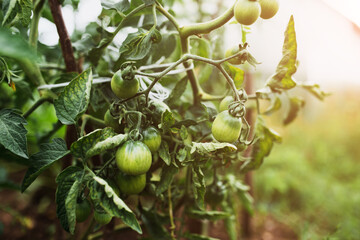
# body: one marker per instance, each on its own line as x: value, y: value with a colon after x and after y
x: 315, y: 90
x: 167, y: 175
x: 70, y: 203
x: 211, y: 147
x: 74, y: 99
x: 167, y: 120
x: 275, y: 105
x: 164, y: 153
x: 210, y: 215
x: 236, y: 74
x: 25, y: 13
x: 199, y: 186
x: 120, y: 6
x: 10, y: 9
x: 108, y: 143
x: 155, y: 225
x: 42, y: 160
x: 295, y: 105
x: 194, y: 236
x: 176, y: 93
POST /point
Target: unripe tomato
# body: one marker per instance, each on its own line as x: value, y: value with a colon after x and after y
x: 102, y: 218
x: 110, y: 121
x: 246, y: 12
x: 268, y: 8
x: 133, y: 158
x: 226, y: 128
x: 129, y: 184
x: 152, y: 138
x: 224, y: 104
x: 83, y: 210
x: 124, y: 88
x: 232, y: 51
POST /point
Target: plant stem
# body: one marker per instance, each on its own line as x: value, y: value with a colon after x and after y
x: 94, y: 120
x: 56, y: 127
x: 172, y: 224
x: 34, y: 33
x: 37, y: 104
x: 167, y: 15
x: 88, y: 229
x: 105, y: 166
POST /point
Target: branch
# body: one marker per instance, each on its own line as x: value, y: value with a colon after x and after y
x: 65, y: 42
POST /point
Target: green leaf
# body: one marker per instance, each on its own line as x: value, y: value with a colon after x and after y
x: 282, y: 79
x: 275, y: 105
x: 65, y: 180
x: 181, y: 154
x: 13, y: 132
x: 14, y: 46
x: 9, y: 8
x: 138, y: 45
x: 70, y: 204
x: 88, y: 142
x: 48, y: 154
x: 184, y: 123
x: 167, y: 175
x: 108, y: 143
x: 164, y: 153
x: 199, y: 186
x: 194, y: 236
x: 263, y: 93
x: 155, y: 225
x: 25, y: 14
x: 167, y: 120
x: 295, y: 105
x: 262, y: 147
x: 209, y: 215
x: 236, y: 74
x: 120, y: 6
x: 315, y: 90
x: 102, y: 194
x: 74, y: 99
x: 202, y: 148
x: 177, y: 92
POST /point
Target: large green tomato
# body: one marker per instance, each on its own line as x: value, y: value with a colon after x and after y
x: 268, y: 8
x: 110, y: 121
x: 124, y: 88
x: 152, y: 138
x: 224, y: 104
x: 83, y: 210
x: 226, y: 128
x: 133, y: 158
x: 129, y: 184
x: 246, y: 12
x: 102, y: 218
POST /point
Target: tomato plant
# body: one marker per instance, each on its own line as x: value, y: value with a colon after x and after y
x: 139, y: 117
x: 268, y: 8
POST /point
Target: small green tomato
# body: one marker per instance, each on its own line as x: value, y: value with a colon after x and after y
x: 226, y: 128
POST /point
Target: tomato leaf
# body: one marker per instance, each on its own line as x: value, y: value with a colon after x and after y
x: 120, y: 6
x: 177, y: 92
x: 203, y: 148
x: 74, y: 99
x: 13, y: 132
x: 10, y: 9
x: 88, y: 142
x: 25, y: 13
x: 108, y: 143
x: 295, y: 105
x: 262, y: 147
x: 155, y: 224
x: 263, y: 93
x: 48, y: 154
x: 194, y: 236
x: 164, y: 153
x: 275, y: 105
x: 199, y: 186
x: 210, y: 215
x: 68, y: 178
x: 236, y: 74
x: 167, y: 120
x: 315, y: 90
x: 282, y: 79
x: 70, y: 204
x: 167, y: 175
x: 101, y: 193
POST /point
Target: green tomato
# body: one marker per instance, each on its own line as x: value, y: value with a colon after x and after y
x: 246, y: 12
x: 133, y: 158
x: 224, y: 104
x: 112, y: 122
x: 226, y: 128
x: 230, y: 52
x: 124, y: 88
x: 269, y: 8
x: 129, y: 184
x: 83, y: 210
x: 102, y: 218
x: 152, y: 138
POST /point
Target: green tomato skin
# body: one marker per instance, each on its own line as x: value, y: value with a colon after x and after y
x: 230, y: 52
x: 124, y: 88
x: 226, y: 128
x: 152, y: 139
x: 102, y: 218
x: 129, y: 184
x: 133, y: 158
x: 268, y: 8
x: 110, y: 121
x: 83, y: 210
x: 224, y: 104
x: 246, y: 12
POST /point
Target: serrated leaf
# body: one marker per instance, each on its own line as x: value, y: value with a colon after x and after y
x: 70, y: 204
x: 87, y: 142
x: 210, y: 215
x: 315, y: 90
x: 275, y: 105
x: 167, y: 175
x: 65, y: 180
x: 282, y: 79
x: 295, y: 105
x: 13, y: 132
x: 74, y: 99
x: 236, y: 74
x: 177, y: 92
x: 42, y: 160
x: 211, y: 147
x: 138, y: 45
x: 262, y: 147
x: 164, y: 153
x: 199, y: 186
x: 26, y: 6
x: 120, y: 6
x: 108, y: 143
x: 101, y: 193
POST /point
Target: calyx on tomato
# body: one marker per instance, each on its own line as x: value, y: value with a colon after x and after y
x: 83, y: 210
x: 152, y: 138
x: 246, y: 12
x: 133, y: 158
x: 123, y: 87
x: 130, y: 184
x: 226, y: 128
